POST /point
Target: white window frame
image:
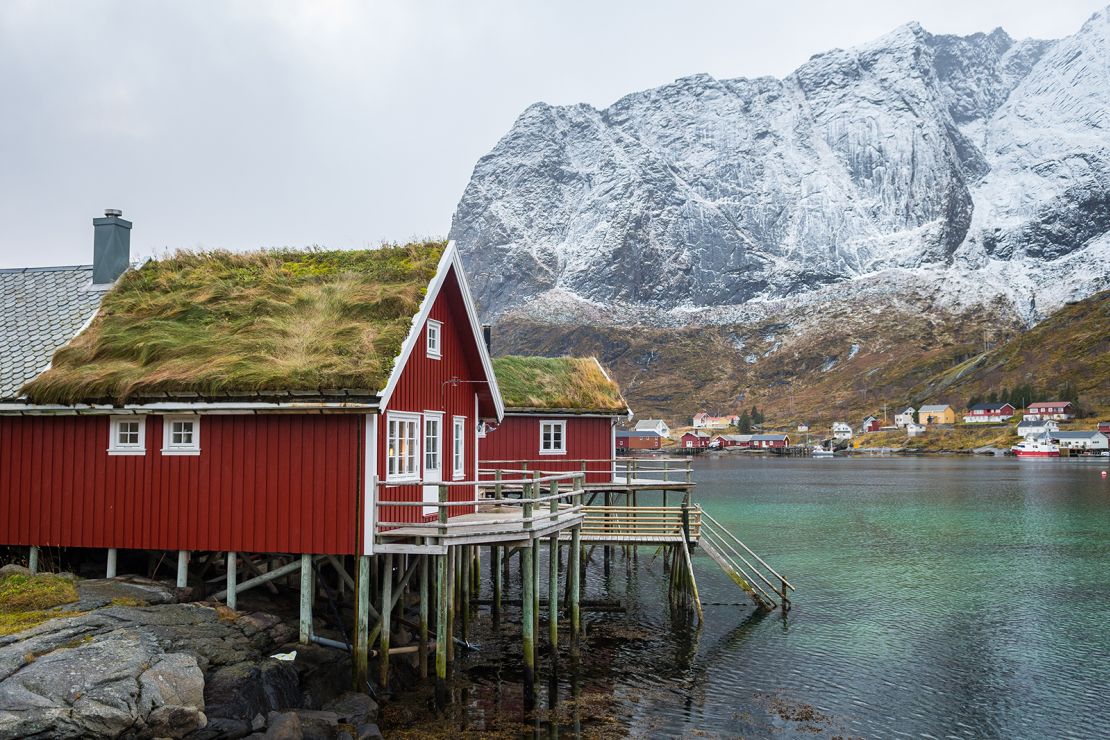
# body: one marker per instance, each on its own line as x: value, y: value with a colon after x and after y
x: 562, y: 424
x: 169, y: 447
x: 436, y: 416
x: 396, y: 475
x: 458, y: 447
x: 114, y: 446
x: 433, y: 339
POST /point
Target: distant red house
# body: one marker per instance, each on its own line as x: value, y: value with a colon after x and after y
x: 1104, y: 427
x: 561, y: 415
x: 870, y: 424
x: 632, y: 439
x: 1055, y: 410
x: 989, y: 413
x: 732, y: 440
x: 693, y: 440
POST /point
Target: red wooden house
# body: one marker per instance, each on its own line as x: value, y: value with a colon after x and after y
x: 635, y: 439
x: 561, y: 415
x: 767, y: 441
x: 870, y: 424
x: 694, y: 440
x: 278, y: 397
x: 1055, y: 410
x: 1104, y: 427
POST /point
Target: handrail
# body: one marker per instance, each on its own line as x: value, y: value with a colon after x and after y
x: 736, y: 539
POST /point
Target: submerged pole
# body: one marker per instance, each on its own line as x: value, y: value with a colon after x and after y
x: 466, y: 560
x: 527, y: 623
x: 442, y: 609
x: 575, y: 584
x: 452, y: 555
x: 423, y: 616
x: 553, y: 591
x: 495, y: 577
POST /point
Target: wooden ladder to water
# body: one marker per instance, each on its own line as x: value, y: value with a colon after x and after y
x: 766, y: 587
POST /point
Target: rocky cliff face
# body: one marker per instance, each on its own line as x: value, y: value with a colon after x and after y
x: 975, y: 167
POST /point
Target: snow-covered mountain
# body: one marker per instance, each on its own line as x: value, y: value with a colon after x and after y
x: 967, y: 168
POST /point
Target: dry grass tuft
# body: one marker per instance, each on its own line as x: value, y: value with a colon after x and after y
x: 570, y: 383
x: 236, y: 323
x: 26, y: 601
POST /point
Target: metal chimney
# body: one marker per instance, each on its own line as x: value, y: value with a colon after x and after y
x: 111, y: 247
x: 487, y: 336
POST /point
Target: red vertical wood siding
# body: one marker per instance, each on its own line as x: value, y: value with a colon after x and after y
x: 517, y: 438
x: 423, y: 386
x: 248, y: 490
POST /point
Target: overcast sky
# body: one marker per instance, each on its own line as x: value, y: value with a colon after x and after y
x: 268, y: 123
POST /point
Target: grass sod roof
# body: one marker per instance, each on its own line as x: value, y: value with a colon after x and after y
x: 222, y: 323
x: 557, y: 383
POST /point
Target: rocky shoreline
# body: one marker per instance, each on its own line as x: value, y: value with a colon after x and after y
x: 127, y: 660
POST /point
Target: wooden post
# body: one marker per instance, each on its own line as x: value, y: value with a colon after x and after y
x: 232, y: 580
x: 442, y: 511
x: 33, y: 559
x: 497, y: 492
x: 451, y: 557
x: 527, y: 494
x: 785, y: 598
x: 386, y: 612
x: 362, y: 622
x: 527, y: 624
x: 182, y: 568
x: 465, y: 561
x: 308, y: 590
x: 442, y: 609
x: 495, y: 577
x: 553, y: 591
x: 692, y: 582
x: 536, y: 590
x: 110, y: 571
x: 574, y: 576
x: 423, y: 615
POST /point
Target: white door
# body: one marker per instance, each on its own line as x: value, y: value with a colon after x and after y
x: 433, y: 459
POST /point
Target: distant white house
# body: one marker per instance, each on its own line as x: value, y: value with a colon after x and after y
x: 1093, y: 440
x: 904, y: 417
x: 654, y: 425
x: 803, y: 427
x: 1036, y: 428
x: 914, y: 429
x: 841, y: 430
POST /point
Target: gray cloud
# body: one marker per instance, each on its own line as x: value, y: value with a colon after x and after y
x: 342, y: 123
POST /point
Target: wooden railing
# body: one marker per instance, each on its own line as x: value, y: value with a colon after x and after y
x: 762, y: 583
x: 657, y: 523
x: 630, y: 470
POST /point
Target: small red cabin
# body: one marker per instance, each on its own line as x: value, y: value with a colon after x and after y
x: 633, y: 439
x: 694, y: 440
x: 766, y: 441
x: 870, y: 424
x: 561, y: 415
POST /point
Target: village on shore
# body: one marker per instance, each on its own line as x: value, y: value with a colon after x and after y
x: 1051, y: 428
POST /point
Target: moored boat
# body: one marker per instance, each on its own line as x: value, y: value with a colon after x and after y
x: 1036, y: 447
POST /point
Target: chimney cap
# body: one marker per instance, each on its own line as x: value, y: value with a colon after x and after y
x: 112, y: 212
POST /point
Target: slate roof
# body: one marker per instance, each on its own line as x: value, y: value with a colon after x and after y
x: 638, y: 434
x: 936, y: 407
x: 998, y: 406
x: 41, y: 308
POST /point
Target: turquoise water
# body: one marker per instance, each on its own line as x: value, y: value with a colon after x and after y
x: 943, y: 597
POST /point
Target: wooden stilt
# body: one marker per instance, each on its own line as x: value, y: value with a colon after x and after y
x: 553, y: 591
x: 574, y: 577
x: 362, y: 622
x: 495, y: 577
x: 528, y: 629
x: 232, y: 581
x: 443, y: 638
x: 536, y: 591
x: 467, y: 561
x: 182, y: 568
x: 110, y: 571
x: 693, y: 584
x: 386, y: 612
x: 452, y: 555
x: 308, y: 591
x: 33, y: 559
x: 423, y: 615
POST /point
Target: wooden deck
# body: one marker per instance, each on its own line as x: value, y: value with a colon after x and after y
x: 492, y: 524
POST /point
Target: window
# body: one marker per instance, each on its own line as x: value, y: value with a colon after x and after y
x: 553, y: 438
x: 434, y: 337
x: 128, y: 435
x: 432, y: 436
x: 181, y: 435
x: 458, y: 456
x: 403, y: 451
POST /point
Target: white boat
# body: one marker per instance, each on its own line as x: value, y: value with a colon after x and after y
x: 821, y: 452
x: 1036, y: 447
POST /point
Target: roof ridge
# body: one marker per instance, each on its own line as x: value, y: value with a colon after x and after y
x: 49, y: 268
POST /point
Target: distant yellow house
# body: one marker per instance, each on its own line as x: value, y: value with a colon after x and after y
x: 936, y: 414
